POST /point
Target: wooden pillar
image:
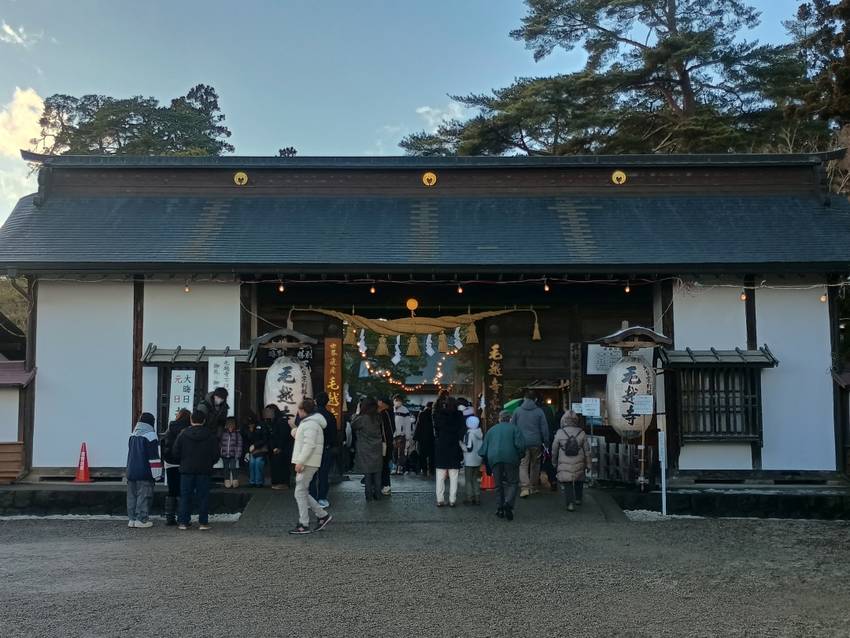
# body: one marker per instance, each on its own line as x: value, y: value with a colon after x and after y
x: 26, y: 408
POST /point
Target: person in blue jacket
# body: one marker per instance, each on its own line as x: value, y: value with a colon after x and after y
x: 144, y: 468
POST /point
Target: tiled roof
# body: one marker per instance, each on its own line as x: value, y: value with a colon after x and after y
x: 570, y: 232
x: 414, y: 162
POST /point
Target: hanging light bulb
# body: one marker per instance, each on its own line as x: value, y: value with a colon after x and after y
x: 743, y: 294
x: 186, y: 287
x: 280, y: 286
x: 824, y: 297
x: 372, y: 289
x: 545, y: 285
x: 628, y: 288
x: 460, y: 289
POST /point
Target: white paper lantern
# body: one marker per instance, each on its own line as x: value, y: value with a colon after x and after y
x: 629, y: 378
x: 287, y: 383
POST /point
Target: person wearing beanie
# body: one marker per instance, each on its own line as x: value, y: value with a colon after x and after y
x: 504, y: 446
x: 215, y: 409
x: 473, y: 439
x: 571, y: 458
x: 144, y: 467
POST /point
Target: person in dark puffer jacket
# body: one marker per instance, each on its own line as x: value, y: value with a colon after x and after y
x: 172, y: 465
x: 144, y: 468
x: 197, y: 449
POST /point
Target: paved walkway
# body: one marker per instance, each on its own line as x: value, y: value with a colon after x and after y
x: 413, y: 502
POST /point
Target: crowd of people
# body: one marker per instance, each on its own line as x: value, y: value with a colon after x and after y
x: 527, y: 448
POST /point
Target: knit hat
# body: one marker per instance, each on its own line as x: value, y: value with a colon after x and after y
x: 220, y: 392
x: 472, y: 422
x: 147, y: 418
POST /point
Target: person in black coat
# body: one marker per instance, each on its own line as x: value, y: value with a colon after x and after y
x: 449, y: 427
x: 172, y: 464
x: 280, y: 446
x: 197, y: 450
x: 424, y: 437
x: 215, y: 410
x: 385, y: 414
x: 320, y: 484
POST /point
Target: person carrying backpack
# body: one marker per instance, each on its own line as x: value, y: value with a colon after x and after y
x: 571, y: 458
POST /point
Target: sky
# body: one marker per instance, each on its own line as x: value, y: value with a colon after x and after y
x: 329, y: 77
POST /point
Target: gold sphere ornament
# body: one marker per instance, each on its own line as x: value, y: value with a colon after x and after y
x: 429, y: 179
x: 619, y: 178
x: 240, y: 178
x: 412, y: 304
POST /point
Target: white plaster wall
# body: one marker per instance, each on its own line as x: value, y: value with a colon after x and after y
x: 9, y: 414
x: 706, y: 317
x: 711, y: 317
x: 716, y: 456
x: 799, y: 431
x: 208, y: 316
x: 84, y: 352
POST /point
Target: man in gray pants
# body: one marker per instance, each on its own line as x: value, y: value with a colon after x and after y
x: 531, y: 421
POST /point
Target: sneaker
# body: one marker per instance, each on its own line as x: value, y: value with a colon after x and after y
x: 131, y: 523
x: 440, y: 504
x: 524, y: 492
x: 500, y: 512
x: 322, y: 523
x: 300, y: 529
x: 144, y: 525
x: 277, y: 487
x: 227, y: 483
x: 571, y: 508
x: 452, y: 504
x: 386, y: 491
x: 234, y: 484
x: 509, y: 513
x: 324, y: 503
x: 183, y: 527
x: 204, y: 527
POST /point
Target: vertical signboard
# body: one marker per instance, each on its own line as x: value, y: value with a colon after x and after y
x: 495, y: 382
x: 333, y: 377
x: 182, y: 393
x: 222, y: 374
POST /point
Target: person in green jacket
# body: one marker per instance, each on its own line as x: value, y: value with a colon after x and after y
x: 504, y: 446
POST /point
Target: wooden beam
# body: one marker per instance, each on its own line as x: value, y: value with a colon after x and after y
x: 138, y: 339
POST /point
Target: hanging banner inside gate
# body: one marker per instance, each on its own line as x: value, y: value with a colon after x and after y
x: 495, y: 382
x: 333, y: 377
x: 222, y: 374
x: 182, y: 393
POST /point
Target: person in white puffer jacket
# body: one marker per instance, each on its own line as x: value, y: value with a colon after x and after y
x: 307, y: 458
x: 471, y: 444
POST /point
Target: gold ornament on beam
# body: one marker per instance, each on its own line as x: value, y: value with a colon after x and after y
x: 444, y: 343
x: 413, y: 347
x: 350, y: 336
x: 382, y: 350
x: 471, y: 334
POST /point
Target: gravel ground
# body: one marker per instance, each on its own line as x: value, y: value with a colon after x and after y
x: 405, y: 568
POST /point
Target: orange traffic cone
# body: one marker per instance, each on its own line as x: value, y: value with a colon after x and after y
x: 83, y: 467
x: 487, y: 480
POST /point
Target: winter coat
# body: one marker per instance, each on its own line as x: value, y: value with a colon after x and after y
x: 231, y: 445
x: 403, y: 423
x: 279, y: 437
x: 143, y: 462
x: 174, y: 430
x: 216, y: 415
x: 571, y: 468
x: 532, y: 423
x: 368, y: 457
x: 309, y: 441
x: 331, y: 429
x: 386, y: 418
x: 259, y: 438
x: 471, y: 447
x: 197, y: 450
x: 424, y: 434
x: 449, y: 427
x: 504, y: 443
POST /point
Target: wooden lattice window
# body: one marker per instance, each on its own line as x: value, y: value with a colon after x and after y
x: 720, y: 403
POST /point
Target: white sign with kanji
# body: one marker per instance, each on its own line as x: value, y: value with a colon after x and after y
x: 182, y: 393
x: 222, y: 374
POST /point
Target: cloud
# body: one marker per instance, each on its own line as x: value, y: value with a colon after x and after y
x: 15, y: 182
x: 19, y: 122
x: 19, y: 36
x: 434, y: 116
x: 387, y: 136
